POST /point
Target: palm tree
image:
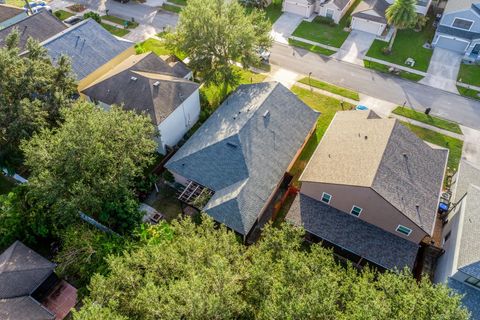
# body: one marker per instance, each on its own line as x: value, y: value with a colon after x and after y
x: 401, y: 15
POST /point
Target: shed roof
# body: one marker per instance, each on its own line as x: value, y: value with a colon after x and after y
x: 243, y: 150
x: 88, y: 45
x: 360, y: 149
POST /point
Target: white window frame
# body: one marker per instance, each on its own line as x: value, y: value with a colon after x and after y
x: 326, y: 13
x: 453, y: 22
x: 351, y: 211
x: 402, y: 226
x: 329, y: 200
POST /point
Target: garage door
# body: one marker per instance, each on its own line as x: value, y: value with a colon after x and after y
x: 367, y: 26
x: 296, y: 8
x: 451, y: 44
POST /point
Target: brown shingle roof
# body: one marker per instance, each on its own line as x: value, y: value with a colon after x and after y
x: 8, y: 12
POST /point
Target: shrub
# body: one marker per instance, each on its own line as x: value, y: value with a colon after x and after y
x: 95, y: 16
x: 324, y: 20
x: 168, y: 176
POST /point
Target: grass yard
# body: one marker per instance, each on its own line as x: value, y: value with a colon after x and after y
x: 62, y: 14
x: 5, y: 184
x: 114, y: 30
x: 330, y: 35
x: 469, y: 93
x: 272, y: 12
x: 310, y: 47
x: 469, y: 73
x: 157, y: 47
x: 171, y: 8
x: 454, y: 145
x: 167, y: 203
x: 328, y: 106
x: 331, y: 88
x: 433, y: 121
x: 179, y: 2
x: 16, y: 3
x: 120, y: 21
x: 383, y: 68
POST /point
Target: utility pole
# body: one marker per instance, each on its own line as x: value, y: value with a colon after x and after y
x: 29, y: 8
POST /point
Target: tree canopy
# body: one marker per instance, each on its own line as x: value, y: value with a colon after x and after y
x: 32, y: 91
x: 185, y: 271
x: 214, y: 34
x: 90, y: 163
x: 401, y: 15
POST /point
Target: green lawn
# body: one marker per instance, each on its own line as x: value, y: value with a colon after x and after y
x: 383, y: 68
x: 469, y: 93
x: 171, y: 8
x: 179, y: 2
x: 120, y: 21
x: 310, y: 47
x: 433, y: 121
x: 5, y: 184
x: 114, y: 30
x: 167, y: 203
x: 454, y: 145
x: 330, y: 35
x: 328, y: 106
x: 331, y: 88
x: 157, y: 47
x: 16, y: 3
x: 469, y: 73
x: 62, y: 14
x: 273, y: 12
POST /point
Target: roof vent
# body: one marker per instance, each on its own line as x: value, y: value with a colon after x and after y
x: 366, y: 137
x: 266, y: 114
x: 133, y: 78
x: 156, y: 83
x: 405, y: 155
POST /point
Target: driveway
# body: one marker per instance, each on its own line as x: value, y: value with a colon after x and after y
x: 355, y: 47
x: 283, y: 28
x: 443, y: 70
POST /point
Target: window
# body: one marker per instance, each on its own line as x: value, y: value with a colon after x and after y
x: 326, y: 197
x: 402, y: 229
x: 462, y: 24
x: 330, y: 13
x: 473, y: 281
x: 356, y: 211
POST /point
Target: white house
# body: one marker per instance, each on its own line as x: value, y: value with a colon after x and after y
x: 147, y: 84
x: 334, y: 9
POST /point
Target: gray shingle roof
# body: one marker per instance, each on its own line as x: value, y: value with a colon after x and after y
x: 23, y: 308
x: 378, y: 6
x: 22, y: 270
x: 88, y: 45
x: 39, y: 26
x: 141, y: 95
x: 471, y: 297
x: 341, y: 4
x: 458, y: 32
x: 242, y: 151
x: 353, y: 234
x: 8, y: 12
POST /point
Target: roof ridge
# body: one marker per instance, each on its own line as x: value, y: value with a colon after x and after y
x: 395, y: 124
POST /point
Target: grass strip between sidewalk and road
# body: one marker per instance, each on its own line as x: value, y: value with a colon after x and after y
x: 331, y: 88
x: 384, y: 68
x: 310, y: 47
x: 428, y: 119
x: 120, y: 21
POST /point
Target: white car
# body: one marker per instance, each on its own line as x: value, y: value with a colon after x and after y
x: 37, y: 6
x: 263, y: 54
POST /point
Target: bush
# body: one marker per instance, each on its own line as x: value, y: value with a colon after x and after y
x: 93, y: 15
x: 168, y: 176
x: 324, y: 20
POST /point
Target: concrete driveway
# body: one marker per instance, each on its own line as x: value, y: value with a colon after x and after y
x: 283, y: 28
x: 355, y: 47
x: 443, y: 70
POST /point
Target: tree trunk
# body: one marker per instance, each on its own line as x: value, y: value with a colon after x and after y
x: 392, y: 40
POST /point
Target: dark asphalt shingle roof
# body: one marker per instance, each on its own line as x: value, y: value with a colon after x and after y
x: 88, y: 45
x: 243, y: 150
x: 22, y: 270
x: 39, y: 26
x: 341, y: 4
x: 23, y: 308
x: 158, y: 101
x: 471, y: 297
x: 378, y: 6
x: 353, y: 234
x: 458, y: 32
x: 8, y: 12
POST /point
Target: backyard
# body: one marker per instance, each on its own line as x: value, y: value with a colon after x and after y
x: 157, y: 47
x: 166, y: 202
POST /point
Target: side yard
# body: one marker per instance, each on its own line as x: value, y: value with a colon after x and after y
x: 469, y: 74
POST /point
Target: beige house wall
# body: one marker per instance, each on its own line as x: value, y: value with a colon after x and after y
x: 376, y: 210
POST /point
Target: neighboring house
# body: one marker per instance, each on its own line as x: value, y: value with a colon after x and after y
x: 459, y: 28
x: 369, y: 16
x: 10, y: 15
x: 234, y: 165
x: 39, y: 26
x: 93, y: 51
x: 334, y: 9
x: 147, y: 84
x: 29, y: 288
x: 459, y: 266
x: 371, y: 190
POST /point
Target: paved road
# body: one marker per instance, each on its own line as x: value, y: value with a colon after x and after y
x: 380, y: 85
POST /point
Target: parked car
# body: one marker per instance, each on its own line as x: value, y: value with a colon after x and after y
x: 73, y: 20
x: 38, y: 6
x: 263, y: 54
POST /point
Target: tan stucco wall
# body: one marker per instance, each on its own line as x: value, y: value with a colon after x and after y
x: 376, y: 210
x: 88, y: 80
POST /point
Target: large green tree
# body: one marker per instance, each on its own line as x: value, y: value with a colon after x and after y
x: 401, y: 15
x: 215, y: 34
x: 32, y: 91
x: 200, y: 272
x: 90, y: 163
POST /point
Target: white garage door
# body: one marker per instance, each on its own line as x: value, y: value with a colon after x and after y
x: 451, y: 44
x: 296, y: 8
x: 367, y: 26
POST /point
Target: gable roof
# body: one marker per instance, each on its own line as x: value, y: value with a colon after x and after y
x: 22, y: 270
x: 243, y: 150
x: 23, y: 308
x: 158, y: 88
x: 8, y: 12
x: 39, y: 26
x: 373, y: 10
x: 363, y: 150
x: 88, y: 45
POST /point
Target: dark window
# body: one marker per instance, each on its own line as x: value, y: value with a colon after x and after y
x: 356, y: 211
x: 447, y: 236
x: 473, y: 281
x: 462, y: 24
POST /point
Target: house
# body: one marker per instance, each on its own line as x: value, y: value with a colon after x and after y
x: 371, y: 190
x: 459, y: 28
x: 93, y: 51
x: 147, y: 84
x: 369, y: 16
x: 334, y: 9
x: 459, y: 266
x: 39, y: 26
x: 10, y: 15
x: 235, y: 163
x: 29, y: 288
